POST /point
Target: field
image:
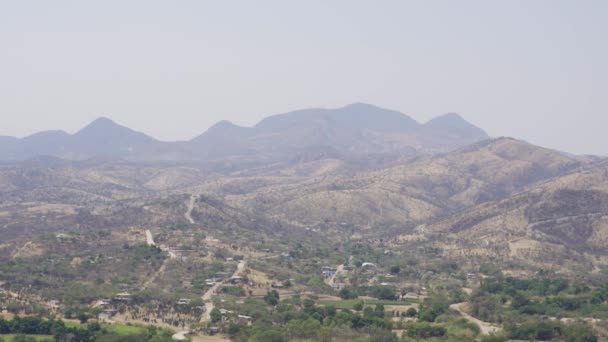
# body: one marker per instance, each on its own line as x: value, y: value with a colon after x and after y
x: 349, y: 303
x: 123, y: 329
x: 10, y: 337
x: 120, y: 329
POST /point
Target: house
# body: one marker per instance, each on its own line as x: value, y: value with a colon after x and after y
x: 242, y: 319
x: 103, y: 317
x: 109, y: 312
x: 328, y: 272
x: 224, y: 311
x: 236, y: 279
x: 471, y: 276
x: 184, y: 301
x: 410, y: 295
x: 221, y: 275
x: 123, y: 297
x: 338, y: 286
x: 277, y: 286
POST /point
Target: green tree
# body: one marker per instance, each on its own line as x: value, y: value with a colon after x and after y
x: 348, y: 293
x: 358, y: 306
x: 268, y: 335
x: 411, y: 312
x: 272, y: 298
x: 83, y: 317
x: 216, y: 315
x: 379, y: 311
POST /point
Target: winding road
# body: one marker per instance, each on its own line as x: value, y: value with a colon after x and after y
x: 207, y: 296
x: 486, y: 328
x: 188, y: 214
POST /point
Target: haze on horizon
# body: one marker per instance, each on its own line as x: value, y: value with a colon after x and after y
x: 537, y: 71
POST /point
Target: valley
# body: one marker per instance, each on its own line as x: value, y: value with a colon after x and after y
x: 474, y: 242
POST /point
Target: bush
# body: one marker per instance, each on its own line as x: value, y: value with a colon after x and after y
x: 348, y: 293
x: 272, y: 298
x: 425, y: 330
x: 495, y: 338
x: 411, y: 312
x: 358, y: 306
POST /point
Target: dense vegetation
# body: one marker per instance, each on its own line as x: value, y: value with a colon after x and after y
x: 543, y: 308
x: 64, y: 333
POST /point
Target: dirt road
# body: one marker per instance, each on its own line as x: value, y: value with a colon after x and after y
x: 207, y: 296
x: 180, y: 336
x: 339, y: 270
x: 150, y: 238
x: 188, y: 213
x: 486, y: 328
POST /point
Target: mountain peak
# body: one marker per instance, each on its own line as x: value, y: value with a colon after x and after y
x: 104, y: 137
x: 448, y: 118
x: 101, y: 122
x: 104, y: 126
x: 455, y: 124
x: 361, y: 105
x: 222, y: 125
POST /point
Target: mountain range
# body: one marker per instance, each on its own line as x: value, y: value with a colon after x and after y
x: 358, y: 170
x: 352, y: 131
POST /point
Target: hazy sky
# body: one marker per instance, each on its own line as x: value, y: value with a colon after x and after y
x: 535, y: 70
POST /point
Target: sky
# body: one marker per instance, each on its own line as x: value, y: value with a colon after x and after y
x: 533, y: 70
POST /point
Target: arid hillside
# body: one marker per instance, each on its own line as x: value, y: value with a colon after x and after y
x: 414, y: 191
x: 564, y: 218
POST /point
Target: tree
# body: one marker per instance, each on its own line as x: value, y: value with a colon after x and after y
x: 411, y: 312
x: 395, y: 269
x: 302, y: 329
x: 83, y: 317
x: 358, y: 306
x: 268, y: 335
x: 234, y: 329
x: 272, y: 298
x: 348, y: 293
x: 383, y: 292
x: 330, y: 310
x: 379, y: 310
x: 216, y: 315
x: 95, y: 326
x: 425, y: 330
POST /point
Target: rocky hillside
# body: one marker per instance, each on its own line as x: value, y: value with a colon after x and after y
x: 564, y: 218
x: 415, y: 191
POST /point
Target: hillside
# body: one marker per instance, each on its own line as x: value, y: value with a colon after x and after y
x: 561, y: 220
x: 397, y: 197
x: 315, y: 190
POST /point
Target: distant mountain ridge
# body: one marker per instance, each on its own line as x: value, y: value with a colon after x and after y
x: 357, y: 129
x: 101, y: 138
